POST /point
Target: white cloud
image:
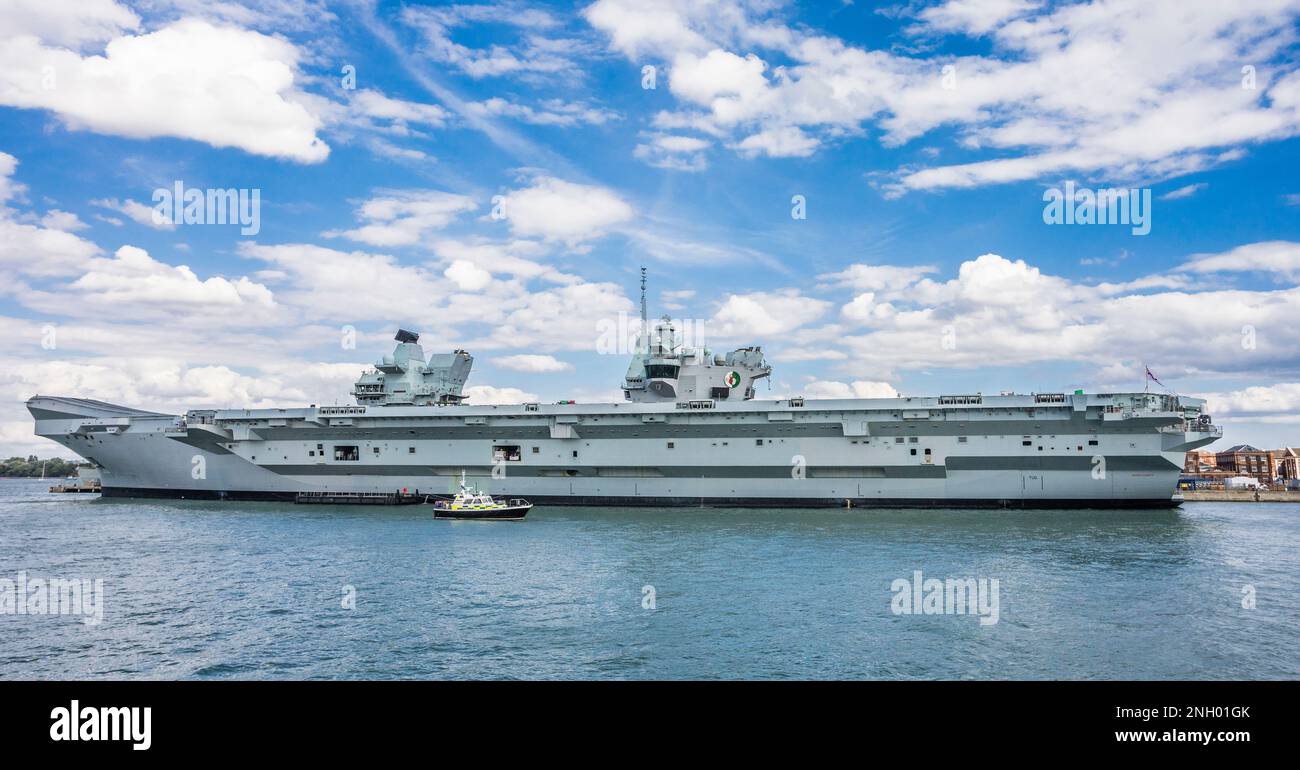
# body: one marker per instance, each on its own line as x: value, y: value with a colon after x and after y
x: 467, y: 275
x: 351, y: 286
x: 549, y: 112
x: 533, y: 54
x: 636, y: 28
x: 1001, y: 312
x: 554, y: 209
x: 718, y: 80
x: 1281, y: 257
x: 977, y: 17
x: 1186, y: 191
x: 779, y: 142
x: 515, y: 258
x: 399, y: 113
x: 133, y: 285
x: 225, y: 86
x: 66, y: 23
x: 878, y: 277
x: 532, y: 363
x: 55, y: 219
x: 138, y: 212
x: 486, y: 395
x: 569, y: 317
x: 856, y: 389
x: 674, y: 151
x: 764, y: 315
x: 403, y: 217
x: 1259, y: 400
x: 47, y: 250
x: 172, y: 386
x: 1157, y: 101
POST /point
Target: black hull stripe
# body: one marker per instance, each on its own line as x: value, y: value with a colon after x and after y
x: 917, y: 470
x: 686, y: 502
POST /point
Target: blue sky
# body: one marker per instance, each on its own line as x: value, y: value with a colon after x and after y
x: 496, y: 173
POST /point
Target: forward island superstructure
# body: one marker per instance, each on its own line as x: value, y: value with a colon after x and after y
x: 690, y: 432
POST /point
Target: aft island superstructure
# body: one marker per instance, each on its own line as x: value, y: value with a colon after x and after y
x: 690, y: 433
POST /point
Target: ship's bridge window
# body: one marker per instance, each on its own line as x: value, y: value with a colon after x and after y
x: 347, y: 453
x: 506, y: 453
x: 661, y: 371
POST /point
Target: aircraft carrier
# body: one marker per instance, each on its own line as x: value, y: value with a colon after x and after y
x: 689, y: 433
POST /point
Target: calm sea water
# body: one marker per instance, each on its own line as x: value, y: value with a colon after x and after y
x: 255, y: 590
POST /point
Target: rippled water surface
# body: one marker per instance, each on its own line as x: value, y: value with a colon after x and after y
x: 255, y: 590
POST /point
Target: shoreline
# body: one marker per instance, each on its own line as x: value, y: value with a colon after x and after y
x: 1238, y: 496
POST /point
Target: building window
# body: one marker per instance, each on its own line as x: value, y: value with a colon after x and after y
x: 898, y: 440
x: 927, y: 452
x: 758, y: 442
x: 661, y: 372
x: 347, y: 453
x: 1026, y: 443
x: 536, y: 450
x: 961, y: 439
x: 410, y: 450
x: 507, y: 453
x: 376, y: 450
x: 913, y: 451
x: 311, y: 453
x: 671, y: 445
x: 1092, y: 442
x: 575, y: 454
x: 912, y: 439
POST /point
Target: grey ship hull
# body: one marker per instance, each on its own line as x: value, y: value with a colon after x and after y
x: 1107, y: 450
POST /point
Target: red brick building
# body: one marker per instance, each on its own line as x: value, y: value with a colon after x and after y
x: 1286, y: 463
x: 1246, y: 460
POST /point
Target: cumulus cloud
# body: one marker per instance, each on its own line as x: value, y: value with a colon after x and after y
x: 998, y: 311
x: 517, y: 258
x: 486, y: 395
x: 1280, y: 257
x: 1257, y: 401
x: 50, y: 249
x: 554, y: 209
x: 976, y: 17
x: 878, y: 277
x: 1157, y: 101
x: 674, y: 151
x: 532, y: 363
x: 222, y: 85
x: 67, y: 23
x: 855, y: 389
x: 467, y: 275
x: 133, y: 285
x: 352, y: 285
x: 764, y: 315
x: 403, y: 217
